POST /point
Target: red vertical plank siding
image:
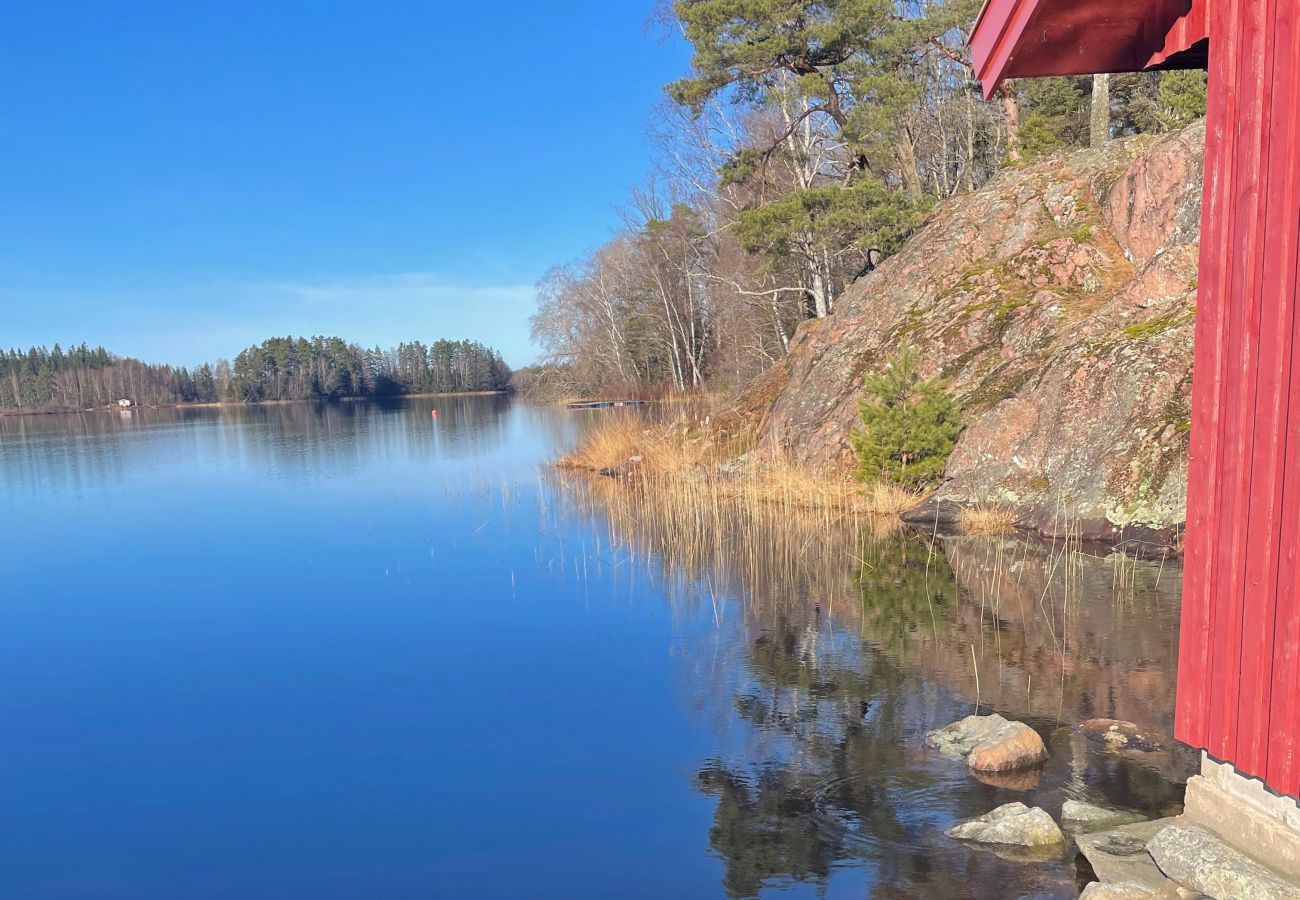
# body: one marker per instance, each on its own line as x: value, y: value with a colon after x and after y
x: 1209, y: 399
x: 1283, y: 769
x: 1239, y: 667
x: 1234, y: 470
x: 1265, y: 592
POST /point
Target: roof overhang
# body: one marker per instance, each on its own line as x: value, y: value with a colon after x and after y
x: 1028, y: 38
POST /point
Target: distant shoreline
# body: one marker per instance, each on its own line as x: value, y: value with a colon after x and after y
x: 15, y: 413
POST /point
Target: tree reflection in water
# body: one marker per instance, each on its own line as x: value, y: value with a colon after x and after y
x: 835, y: 661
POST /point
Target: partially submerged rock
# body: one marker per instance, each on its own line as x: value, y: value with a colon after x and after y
x: 1079, y: 816
x: 1115, y: 734
x: 1014, y: 825
x: 934, y: 515
x: 990, y: 744
x: 1119, y: 856
x: 1197, y: 859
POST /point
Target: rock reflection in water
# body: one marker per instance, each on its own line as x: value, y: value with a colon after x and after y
x: 851, y: 642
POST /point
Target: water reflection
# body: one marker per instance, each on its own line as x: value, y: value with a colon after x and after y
x: 374, y: 654
x: 82, y: 451
x: 852, y: 641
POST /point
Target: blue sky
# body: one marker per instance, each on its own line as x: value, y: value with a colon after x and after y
x: 178, y: 180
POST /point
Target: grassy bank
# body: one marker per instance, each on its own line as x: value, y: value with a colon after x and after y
x: 697, y: 461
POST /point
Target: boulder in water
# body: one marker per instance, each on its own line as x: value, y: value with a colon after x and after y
x: 1014, y: 825
x: 990, y: 744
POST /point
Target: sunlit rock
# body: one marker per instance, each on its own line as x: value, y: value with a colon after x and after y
x: 1195, y: 858
x: 1014, y: 825
x: 990, y: 744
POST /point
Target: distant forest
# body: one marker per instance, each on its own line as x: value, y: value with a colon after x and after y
x: 317, y: 368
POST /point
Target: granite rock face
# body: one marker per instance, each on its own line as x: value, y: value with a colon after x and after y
x: 1013, y: 825
x: 990, y: 744
x: 1196, y: 859
x: 1059, y: 301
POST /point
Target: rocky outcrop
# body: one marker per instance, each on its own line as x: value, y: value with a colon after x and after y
x: 1059, y: 301
x: 1013, y: 825
x: 990, y: 744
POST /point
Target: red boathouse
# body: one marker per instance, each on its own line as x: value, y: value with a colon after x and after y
x: 1239, y: 667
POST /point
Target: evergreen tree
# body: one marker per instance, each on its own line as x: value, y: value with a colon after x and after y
x: 909, y: 425
x: 1054, y: 114
x: 1181, y: 98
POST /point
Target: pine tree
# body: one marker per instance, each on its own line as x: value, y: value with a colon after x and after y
x: 1182, y: 98
x: 909, y: 425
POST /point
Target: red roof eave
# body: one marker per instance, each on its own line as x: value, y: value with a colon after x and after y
x: 1031, y: 38
x: 997, y: 32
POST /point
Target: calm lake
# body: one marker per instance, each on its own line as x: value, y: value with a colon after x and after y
x: 351, y: 651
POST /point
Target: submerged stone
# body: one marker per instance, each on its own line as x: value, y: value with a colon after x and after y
x: 990, y: 744
x: 1079, y: 816
x: 1119, y: 735
x: 1014, y: 825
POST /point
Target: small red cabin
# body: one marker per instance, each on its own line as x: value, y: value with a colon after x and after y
x: 1239, y: 665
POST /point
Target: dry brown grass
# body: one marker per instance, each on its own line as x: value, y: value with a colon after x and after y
x: 887, y: 499
x: 655, y: 449
x: 607, y: 446
x: 693, y: 463
x: 987, y: 518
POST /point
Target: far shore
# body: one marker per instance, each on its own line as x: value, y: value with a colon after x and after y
x: 231, y: 403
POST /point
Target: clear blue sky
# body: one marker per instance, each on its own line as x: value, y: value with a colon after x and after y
x: 180, y: 179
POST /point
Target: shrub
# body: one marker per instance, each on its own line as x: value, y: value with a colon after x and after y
x: 909, y: 425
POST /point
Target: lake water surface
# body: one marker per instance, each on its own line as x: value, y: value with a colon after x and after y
x: 350, y: 651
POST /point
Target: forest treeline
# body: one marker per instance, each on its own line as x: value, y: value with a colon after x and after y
x: 808, y: 140
x: 317, y: 368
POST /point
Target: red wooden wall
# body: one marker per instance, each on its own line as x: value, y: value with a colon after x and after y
x: 1239, y: 663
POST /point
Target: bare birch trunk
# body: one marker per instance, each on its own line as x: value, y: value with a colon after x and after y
x: 1099, y: 133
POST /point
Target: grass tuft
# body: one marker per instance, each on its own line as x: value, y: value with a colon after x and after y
x: 987, y: 518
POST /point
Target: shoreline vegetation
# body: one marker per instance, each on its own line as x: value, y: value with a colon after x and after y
x: 707, y: 462
x: 693, y: 465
